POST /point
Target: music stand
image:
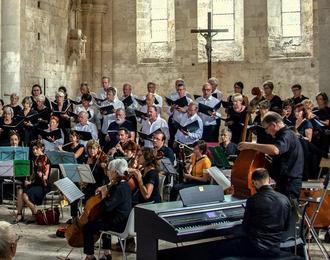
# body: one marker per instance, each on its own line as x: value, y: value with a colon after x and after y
x: 57, y: 157
x: 219, y: 177
x: 167, y: 166
x: 69, y: 189
x: 77, y: 172
x: 14, y: 153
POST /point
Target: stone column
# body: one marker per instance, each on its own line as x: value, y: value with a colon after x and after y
x: 10, y: 47
x: 97, y: 38
x: 85, y: 23
x: 323, y: 12
x: 255, y: 31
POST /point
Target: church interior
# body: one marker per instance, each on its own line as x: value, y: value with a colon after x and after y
x: 204, y: 126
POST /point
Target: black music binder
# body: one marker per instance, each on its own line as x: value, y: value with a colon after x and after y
x: 207, y: 110
x: 141, y: 114
x: 127, y: 101
x: 56, y: 134
x: 84, y: 135
x: 106, y: 110
x: 181, y: 102
x: 191, y: 128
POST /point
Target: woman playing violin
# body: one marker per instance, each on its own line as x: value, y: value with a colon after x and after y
x: 35, y: 189
x: 97, y: 161
x: 116, y: 205
x: 147, y: 176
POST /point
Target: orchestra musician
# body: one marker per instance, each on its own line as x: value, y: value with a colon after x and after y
x: 14, y: 139
x: 74, y: 147
x: 287, y: 154
x: 118, y: 150
x: 116, y: 206
x: 162, y: 151
x: 266, y: 219
x: 37, y: 187
x: 98, y: 161
x: 147, y: 176
x: 195, y: 174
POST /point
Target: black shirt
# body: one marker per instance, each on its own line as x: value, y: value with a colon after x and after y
x: 153, y: 178
x: 82, y: 158
x: 113, y: 127
x: 290, y: 161
x: 260, y: 132
x: 297, y: 100
x: 118, y: 204
x: 238, y: 119
x: 17, y: 109
x: 230, y: 149
x: 266, y: 217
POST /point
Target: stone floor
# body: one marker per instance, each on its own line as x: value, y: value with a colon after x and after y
x: 40, y: 243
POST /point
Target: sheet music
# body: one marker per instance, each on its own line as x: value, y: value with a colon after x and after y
x: 69, y: 189
x: 57, y: 157
x: 167, y: 166
x: 70, y: 170
x: 219, y: 177
x: 85, y: 173
x: 7, y: 168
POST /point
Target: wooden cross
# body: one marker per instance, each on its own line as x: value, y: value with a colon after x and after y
x: 208, y: 34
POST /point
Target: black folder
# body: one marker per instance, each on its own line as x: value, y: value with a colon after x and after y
x: 127, y: 101
x: 181, y: 102
x: 56, y: 134
x: 99, y: 100
x: 30, y: 118
x: 57, y: 113
x: 207, y: 110
x: 75, y: 102
x: 213, y: 95
x: 84, y: 135
x: 226, y: 104
x: 13, y: 127
x: 106, y: 110
x: 147, y: 136
x: 74, y: 115
x: 140, y: 114
x: 141, y: 102
x: 191, y: 128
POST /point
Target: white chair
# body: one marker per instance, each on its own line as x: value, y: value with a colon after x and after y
x: 161, y: 185
x: 122, y: 237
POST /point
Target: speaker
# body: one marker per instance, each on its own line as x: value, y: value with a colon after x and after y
x: 201, y: 194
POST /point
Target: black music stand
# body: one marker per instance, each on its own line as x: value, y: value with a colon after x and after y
x: 201, y: 194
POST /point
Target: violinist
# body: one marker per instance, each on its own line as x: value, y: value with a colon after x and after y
x: 131, y: 150
x: 195, y: 175
x: 116, y: 205
x: 35, y: 189
x: 123, y: 137
x: 97, y: 161
x: 74, y: 147
x: 147, y: 176
x: 159, y: 140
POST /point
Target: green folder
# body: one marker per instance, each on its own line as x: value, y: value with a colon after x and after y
x: 219, y: 157
x: 22, y: 168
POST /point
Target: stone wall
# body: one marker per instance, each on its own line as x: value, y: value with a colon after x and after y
x: 44, y: 47
x: 256, y: 67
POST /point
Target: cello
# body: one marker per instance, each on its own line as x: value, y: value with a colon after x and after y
x: 246, y: 163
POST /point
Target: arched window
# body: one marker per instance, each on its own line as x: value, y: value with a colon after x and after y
x: 226, y: 14
x: 155, y: 31
x: 290, y: 27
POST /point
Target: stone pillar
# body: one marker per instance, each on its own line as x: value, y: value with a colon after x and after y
x: 10, y: 47
x: 323, y: 11
x: 97, y: 39
x: 255, y: 31
x: 85, y: 23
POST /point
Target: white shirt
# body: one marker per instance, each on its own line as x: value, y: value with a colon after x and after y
x: 53, y: 146
x: 89, y: 127
x: 160, y: 102
x: 211, y: 102
x: 134, y: 106
x: 108, y: 119
x: 144, y: 109
x: 101, y: 94
x: 89, y: 110
x: 191, y: 137
x: 148, y: 128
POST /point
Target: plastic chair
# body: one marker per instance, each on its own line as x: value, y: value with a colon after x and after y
x: 161, y: 185
x: 122, y: 237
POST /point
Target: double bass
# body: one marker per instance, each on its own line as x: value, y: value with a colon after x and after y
x: 246, y: 163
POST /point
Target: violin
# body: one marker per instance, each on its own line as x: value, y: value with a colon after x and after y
x: 131, y: 180
x: 41, y: 163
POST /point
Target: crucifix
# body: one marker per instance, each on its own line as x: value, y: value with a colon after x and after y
x: 208, y: 34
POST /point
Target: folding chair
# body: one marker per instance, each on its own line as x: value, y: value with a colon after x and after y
x: 122, y: 237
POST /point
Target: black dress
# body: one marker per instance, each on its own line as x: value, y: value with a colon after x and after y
x: 82, y: 158
x: 152, y: 177
x: 27, y: 132
x: 6, y: 128
x: 238, y: 119
x: 37, y: 190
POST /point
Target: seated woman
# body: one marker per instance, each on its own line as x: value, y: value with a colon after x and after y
x: 116, y: 205
x: 52, y: 143
x: 8, y: 241
x: 74, y: 147
x: 225, y: 142
x: 303, y: 126
x: 195, y: 174
x: 147, y: 176
x: 35, y: 189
